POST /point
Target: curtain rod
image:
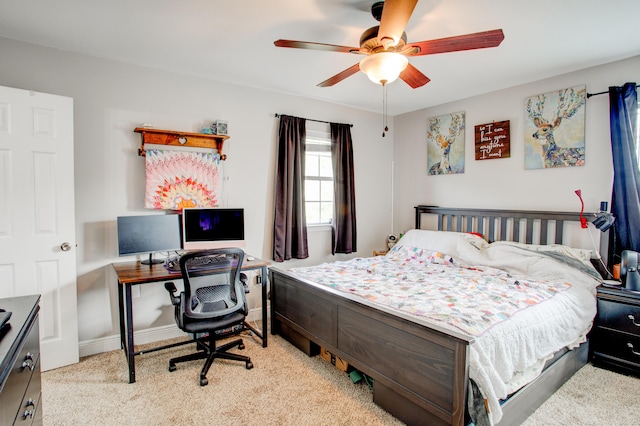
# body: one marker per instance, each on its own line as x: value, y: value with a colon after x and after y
x: 602, y: 93
x: 317, y: 121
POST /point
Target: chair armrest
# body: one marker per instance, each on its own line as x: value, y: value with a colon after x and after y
x: 171, y: 288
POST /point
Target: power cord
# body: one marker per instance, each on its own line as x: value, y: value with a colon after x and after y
x: 597, y: 252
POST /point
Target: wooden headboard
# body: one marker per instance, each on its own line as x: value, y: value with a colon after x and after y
x: 501, y: 225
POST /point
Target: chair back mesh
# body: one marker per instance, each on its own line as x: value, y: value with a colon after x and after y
x: 212, y: 283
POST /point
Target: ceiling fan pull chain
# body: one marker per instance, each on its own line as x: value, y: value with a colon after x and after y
x: 384, y: 109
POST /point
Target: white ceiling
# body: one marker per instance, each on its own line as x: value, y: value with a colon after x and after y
x: 232, y: 41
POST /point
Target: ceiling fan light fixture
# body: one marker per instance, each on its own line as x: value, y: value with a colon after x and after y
x: 383, y: 67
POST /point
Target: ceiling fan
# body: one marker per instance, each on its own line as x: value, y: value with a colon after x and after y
x: 386, y: 47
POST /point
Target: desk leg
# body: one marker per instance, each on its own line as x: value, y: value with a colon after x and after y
x: 264, y: 306
x: 121, y: 313
x: 130, y: 345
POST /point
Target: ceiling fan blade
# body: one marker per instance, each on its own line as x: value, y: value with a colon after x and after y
x: 340, y: 76
x: 413, y: 77
x: 480, y: 40
x: 315, y: 46
x: 395, y: 16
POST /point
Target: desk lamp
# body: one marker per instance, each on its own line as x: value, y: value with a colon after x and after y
x: 603, y: 221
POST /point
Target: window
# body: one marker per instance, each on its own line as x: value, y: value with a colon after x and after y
x: 318, y: 181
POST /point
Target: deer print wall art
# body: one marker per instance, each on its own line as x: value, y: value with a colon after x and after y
x: 445, y: 144
x: 554, y: 129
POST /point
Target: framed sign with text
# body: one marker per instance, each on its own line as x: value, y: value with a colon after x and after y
x: 492, y: 140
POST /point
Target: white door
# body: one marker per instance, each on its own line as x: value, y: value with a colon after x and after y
x: 37, y: 223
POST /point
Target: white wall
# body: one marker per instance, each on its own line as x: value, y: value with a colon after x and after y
x: 504, y: 183
x: 111, y: 99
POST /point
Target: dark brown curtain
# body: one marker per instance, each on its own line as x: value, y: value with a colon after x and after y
x: 290, y: 225
x: 344, y: 204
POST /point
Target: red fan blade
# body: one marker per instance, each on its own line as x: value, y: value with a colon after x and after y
x: 315, y: 46
x: 395, y: 16
x: 413, y: 77
x: 340, y: 76
x: 462, y: 42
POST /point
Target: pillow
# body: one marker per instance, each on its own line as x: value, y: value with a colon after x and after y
x: 583, y: 255
x: 444, y: 241
x: 410, y: 253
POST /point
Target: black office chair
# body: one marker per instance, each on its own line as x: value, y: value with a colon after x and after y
x: 213, y: 303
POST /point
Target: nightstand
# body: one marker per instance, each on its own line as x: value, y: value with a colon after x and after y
x: 615, y: 339
x: 380, y: 252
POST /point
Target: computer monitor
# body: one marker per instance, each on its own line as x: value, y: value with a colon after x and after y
x: 206, y: 228
x: 149, y: 234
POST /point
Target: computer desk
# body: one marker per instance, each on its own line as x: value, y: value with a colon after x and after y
x: 135, y: 273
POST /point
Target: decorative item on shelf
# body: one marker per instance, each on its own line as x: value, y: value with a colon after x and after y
x: 221, y: 127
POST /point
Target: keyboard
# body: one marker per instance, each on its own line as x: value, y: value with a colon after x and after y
x: 199, y: 263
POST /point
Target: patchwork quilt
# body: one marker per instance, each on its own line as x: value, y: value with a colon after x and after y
x: 433, y: 285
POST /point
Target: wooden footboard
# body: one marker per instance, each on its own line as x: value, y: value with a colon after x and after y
x: 420, y: 373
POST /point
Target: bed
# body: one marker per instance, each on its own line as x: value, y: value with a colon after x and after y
x: 433, y: 366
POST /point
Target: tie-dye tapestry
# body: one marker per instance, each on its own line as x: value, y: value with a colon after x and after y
x: 179, y: 179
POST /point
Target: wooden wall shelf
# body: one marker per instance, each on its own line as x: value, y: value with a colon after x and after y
x: 169, y: 137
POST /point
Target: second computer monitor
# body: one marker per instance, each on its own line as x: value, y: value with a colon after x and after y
x: 205, y: 228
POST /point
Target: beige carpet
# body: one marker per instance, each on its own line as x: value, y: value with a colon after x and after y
x: 284, y: 388
x: 592, y: 397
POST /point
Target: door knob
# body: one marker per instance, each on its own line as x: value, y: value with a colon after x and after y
x: 65, y: 246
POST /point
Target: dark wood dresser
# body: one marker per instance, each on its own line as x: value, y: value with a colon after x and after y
x: 20, y: 395
x: 615, y: 340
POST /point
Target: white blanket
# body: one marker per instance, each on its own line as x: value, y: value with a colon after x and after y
x: 513, y: 353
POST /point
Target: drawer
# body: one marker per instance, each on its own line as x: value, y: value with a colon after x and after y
x: 37, y: 417
x: 619, y: 316
x: 23, y: 369
x: 29, y: 405
x: 617, y: 345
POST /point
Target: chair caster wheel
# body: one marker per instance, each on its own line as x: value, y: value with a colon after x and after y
x: 204, y: 381
x: 249, y: 365
x: 241, y: 346
x: 172, y: 367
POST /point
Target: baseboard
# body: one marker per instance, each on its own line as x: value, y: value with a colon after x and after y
x: 149, y: 335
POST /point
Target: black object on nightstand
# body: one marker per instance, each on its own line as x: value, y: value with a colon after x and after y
x: 615, y: 339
